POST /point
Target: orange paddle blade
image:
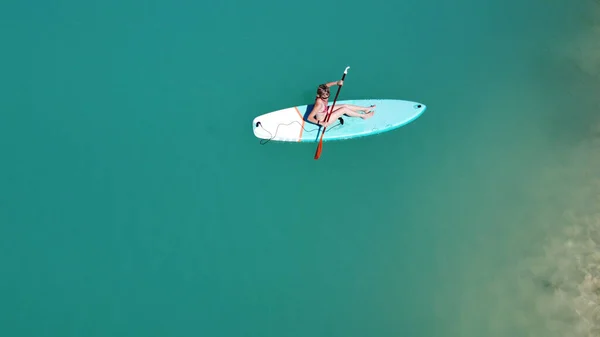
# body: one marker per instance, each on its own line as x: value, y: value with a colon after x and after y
x: 319, y: 147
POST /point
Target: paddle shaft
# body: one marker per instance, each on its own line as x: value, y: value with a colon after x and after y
x: 334, y: 100
x: 320, y: 146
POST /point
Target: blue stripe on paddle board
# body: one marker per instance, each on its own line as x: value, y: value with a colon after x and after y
x: 389, y: 115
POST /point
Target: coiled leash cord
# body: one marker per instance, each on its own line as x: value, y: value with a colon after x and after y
x: 265, y: 141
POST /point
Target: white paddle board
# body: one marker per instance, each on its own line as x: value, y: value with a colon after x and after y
x: 291, y: 124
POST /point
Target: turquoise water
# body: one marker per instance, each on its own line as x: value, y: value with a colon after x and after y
x: 135, y: 200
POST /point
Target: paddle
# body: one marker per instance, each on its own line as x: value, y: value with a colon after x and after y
x: 320, y: 146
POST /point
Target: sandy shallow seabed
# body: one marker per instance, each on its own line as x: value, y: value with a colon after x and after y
x: 556, y: 285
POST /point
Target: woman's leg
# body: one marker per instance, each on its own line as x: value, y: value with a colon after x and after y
x: 356, y: 108
x: 338, y: 112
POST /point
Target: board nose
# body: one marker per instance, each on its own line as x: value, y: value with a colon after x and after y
x: 420, y: 108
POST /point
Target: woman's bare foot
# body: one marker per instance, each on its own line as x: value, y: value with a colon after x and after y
x: 370, y: 109
x: 368, y: 115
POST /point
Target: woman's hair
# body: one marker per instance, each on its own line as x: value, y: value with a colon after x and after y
x: 322, y: 89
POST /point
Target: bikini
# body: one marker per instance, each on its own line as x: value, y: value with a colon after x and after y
x: 324, y: 112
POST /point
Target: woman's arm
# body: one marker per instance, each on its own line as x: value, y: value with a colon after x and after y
x: 331, y: 84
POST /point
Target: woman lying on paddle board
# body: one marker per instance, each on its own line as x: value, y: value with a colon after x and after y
x: 318, y: 115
